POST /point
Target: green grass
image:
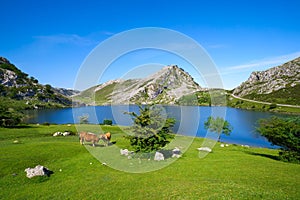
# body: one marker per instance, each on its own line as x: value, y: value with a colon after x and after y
x: 243, y: 104
x: 290, y: 95
x: 232, y: 172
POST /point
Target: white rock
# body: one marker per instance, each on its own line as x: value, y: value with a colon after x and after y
x: 159, y: 156
x: 227, y: 145
x: 124, y: 152
x: 207, y: 149
x: 176, y: 150
x: 57, y: 134
x: 176, y: 156
x: 66, y: 133
x: 39, y: 170
x: 222, y: 145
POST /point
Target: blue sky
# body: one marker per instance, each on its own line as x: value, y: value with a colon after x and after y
x: 51, y: 39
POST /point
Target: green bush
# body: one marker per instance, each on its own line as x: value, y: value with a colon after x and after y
x: 272, y: 106
x: 284, y: 133
x: 107, y: 122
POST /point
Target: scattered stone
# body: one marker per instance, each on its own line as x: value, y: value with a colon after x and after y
x: 176, y: 153
x: 57, y: 134
x: 104, y: 164
x: 222, y: 145
x: 124, y: 152
x: 227, y: 145
x: 176, y: 156
x: 16, y: 141
x: 14, y: 174
x: 176, y: 150
x: 66, y: 133
x: 207, y: 149
x: 39, y: 170
x: 159, y: 156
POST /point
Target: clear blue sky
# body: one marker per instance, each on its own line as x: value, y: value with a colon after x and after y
x: 50, y: 39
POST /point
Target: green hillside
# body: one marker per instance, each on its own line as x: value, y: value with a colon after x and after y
x: 17, y: 85
x: 288, y: 95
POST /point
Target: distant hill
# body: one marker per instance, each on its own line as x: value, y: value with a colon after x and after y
x: 166, y: 86
x: 17, y: 85
x: 279, y: 84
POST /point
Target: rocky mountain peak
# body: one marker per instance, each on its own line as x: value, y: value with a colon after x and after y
x: 273, y: 79
x: 163, y: 87
x: 4, y: 60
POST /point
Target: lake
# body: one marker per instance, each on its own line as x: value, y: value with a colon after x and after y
x: 189, y: 119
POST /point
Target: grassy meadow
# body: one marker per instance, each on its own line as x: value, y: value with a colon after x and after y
x: 232, y: 172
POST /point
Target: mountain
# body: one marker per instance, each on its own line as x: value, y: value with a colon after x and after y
x: 17, y: 85
x: 166, y: 86
x: 279, y: 84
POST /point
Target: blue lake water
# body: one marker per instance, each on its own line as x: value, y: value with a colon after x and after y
x: 189, y: 120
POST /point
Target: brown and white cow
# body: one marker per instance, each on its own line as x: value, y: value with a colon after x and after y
x: 106, y: 137
x: 88, y: 137
x: 91, y: 137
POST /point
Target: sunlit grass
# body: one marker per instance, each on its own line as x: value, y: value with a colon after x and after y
x: 232, y: 172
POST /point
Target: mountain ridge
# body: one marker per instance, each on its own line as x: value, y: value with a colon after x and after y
x: 276, y: 85
x: 163, y: 87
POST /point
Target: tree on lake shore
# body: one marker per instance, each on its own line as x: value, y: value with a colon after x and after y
x: 284, y: 133
x: 218, y: 125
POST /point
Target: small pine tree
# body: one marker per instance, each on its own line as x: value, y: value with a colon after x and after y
x: 151, y: 129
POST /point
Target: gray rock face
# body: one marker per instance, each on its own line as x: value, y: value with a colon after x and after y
x: 273, y: 79
x: 66, y: 92
x: 39, y: 170
x: 19, y: 85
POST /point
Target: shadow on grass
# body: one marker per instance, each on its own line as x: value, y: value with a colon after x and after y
x: 20, y: 126
x: 103, y: 145
x: 263, y: 155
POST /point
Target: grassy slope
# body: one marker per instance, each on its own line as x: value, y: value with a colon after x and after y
x: 227, y: 173
x: 289, y: 95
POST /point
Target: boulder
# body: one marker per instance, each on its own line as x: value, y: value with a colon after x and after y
x: 39, y: 170
x: 176, y: 156
x: 176, y: 150
x: 66, y: 133
x: 57, y: 134
x: 124, y: 152
x: 207, y: 149
x: 159, y: 156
